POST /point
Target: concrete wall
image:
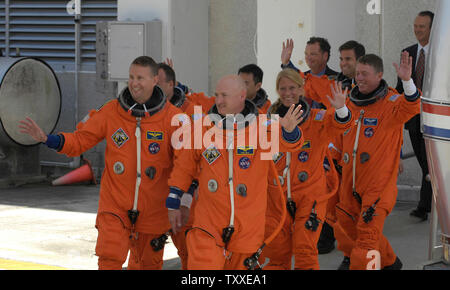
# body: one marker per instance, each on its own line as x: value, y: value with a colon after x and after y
x: 387, y: 34
x: 232, y: 30
x: 184, y: 34
x: 335, y: 21
x: 18, y: 164
x: 297, y: 23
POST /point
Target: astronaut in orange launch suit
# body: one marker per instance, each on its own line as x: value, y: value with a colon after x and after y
x: 370, y: 152
x: 303, y: 176
x: 138, y: 161
x: 230, y: 212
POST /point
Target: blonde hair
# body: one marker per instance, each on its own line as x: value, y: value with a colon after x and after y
x: 290, y: 74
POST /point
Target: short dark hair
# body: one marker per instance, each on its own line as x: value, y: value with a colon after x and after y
x: 373, y: 60
x: 323, y: 43
x: 255, y: 70
x: 427, y: 14
x: 170, y: 73
x: 147, y: 61
x: 357, y: 47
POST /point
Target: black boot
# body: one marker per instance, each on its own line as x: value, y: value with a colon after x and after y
x: 345, y: 265
x: 419, y: 213
x: 396, y: 266
x: 326, y: 240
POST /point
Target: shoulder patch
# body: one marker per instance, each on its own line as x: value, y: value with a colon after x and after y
x: 86, y: 118
x: 183, y: 118
x: 267, y: 123
x: 320, y: 115
x: 394, y: 98
x: 196, y: 117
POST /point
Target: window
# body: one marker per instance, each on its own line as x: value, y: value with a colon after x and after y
x: 45, y: 30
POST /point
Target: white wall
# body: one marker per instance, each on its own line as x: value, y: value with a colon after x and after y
x: 185, y: 34
x: 147, y: 10
x: 277, y: 21
x: 190, y: 42
x: 232, y: 30
x: 387, y: 34
x: 335, y: 21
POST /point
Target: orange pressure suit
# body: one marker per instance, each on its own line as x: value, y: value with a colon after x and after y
x: 180, y: 101
x: 344, y: 243
x: 187, y: 103
x: 317, y: 88
x: 118, y: 123
x: 208, y: 248
x: 179, y: 239
x: 200, y: 99
x: 377, y: 137
x: 309, y: 191
x: 261, y: 101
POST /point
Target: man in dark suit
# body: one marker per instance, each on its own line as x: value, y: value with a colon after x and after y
x: 419, y: 52
x: 317, y: 55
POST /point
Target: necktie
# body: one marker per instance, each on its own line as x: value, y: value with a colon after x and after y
x: 420, y: 69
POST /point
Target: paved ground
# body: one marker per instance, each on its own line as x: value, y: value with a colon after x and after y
x: 49, y: 227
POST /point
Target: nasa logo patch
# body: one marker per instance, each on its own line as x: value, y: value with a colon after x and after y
x: 303, y: 156
x: 369, y: 132
x: 154, y: 148
x: 244, y: 163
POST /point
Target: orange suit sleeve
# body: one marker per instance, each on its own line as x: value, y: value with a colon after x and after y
x: 185, y: 168
x: 317, y: 89
x: 404, y: 107
x: 200, y: 99
x: 88, y: 134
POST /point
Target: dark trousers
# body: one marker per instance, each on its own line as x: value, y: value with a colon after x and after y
x: 418, y: 144
x: 327, y: 234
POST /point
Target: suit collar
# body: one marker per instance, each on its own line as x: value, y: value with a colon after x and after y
x: 426, y: 48
x: 328, y: 71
